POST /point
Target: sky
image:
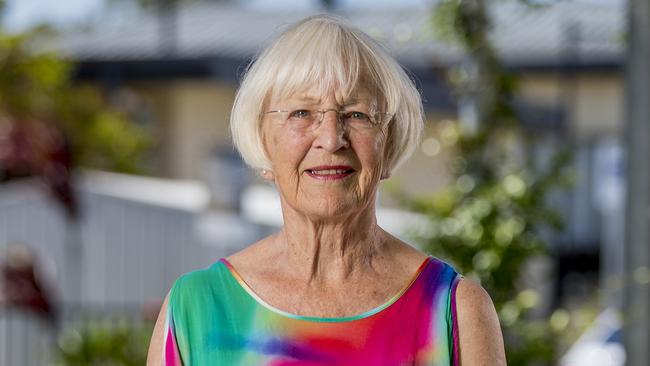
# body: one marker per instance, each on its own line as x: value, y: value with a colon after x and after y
x: 21, y: 14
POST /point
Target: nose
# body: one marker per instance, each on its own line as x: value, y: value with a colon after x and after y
x: 330, y: 134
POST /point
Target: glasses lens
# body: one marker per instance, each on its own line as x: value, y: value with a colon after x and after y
x: 302, y: 118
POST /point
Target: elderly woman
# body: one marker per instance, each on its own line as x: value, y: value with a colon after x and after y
x: 325, y: 114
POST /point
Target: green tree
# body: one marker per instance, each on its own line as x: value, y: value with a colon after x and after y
x: 49, y: 125
x: 488, y: 224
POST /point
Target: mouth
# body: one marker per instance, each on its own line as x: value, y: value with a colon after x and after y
x: 330, y: 172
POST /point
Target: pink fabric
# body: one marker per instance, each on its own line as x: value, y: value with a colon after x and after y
x: 172, y: 358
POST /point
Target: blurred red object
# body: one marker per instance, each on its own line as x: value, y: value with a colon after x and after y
x: 40, y: 149
x: 21, y: 286
x: 15, y: 151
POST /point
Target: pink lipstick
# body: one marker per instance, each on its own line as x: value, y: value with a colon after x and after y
x: 330, y: 172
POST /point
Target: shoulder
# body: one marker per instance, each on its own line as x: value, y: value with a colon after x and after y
x: 479, y: 332
x: 469, y: 293
x: 196, y: 283
x: 256, y: 255
x: 182, y: 306
x: 198, y: 277
x: 442, y: 275
x: 156, y: 353
x: 444, y: 266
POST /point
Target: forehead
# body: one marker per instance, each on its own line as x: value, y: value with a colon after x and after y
x: 315, y: 96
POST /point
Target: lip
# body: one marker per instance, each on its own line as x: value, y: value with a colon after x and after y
x: 349, y: 171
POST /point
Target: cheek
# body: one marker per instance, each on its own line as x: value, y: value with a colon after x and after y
x: 371, y: 155
x: 373, y: 151
x: 278, y: 146
x: 286, y: 151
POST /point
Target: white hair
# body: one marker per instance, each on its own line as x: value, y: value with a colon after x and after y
x: 328, y: 53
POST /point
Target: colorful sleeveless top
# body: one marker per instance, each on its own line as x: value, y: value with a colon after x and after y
x: 214, y: 318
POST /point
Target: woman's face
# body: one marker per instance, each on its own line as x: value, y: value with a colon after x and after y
x: 329, y: 169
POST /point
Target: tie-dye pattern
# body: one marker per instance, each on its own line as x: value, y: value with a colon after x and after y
x: 214, y: 318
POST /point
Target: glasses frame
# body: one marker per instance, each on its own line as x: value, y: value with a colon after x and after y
x: 339, y: 113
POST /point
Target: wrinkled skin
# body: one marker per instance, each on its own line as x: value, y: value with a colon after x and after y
x: 292, y: 152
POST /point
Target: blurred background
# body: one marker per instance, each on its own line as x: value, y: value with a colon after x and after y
x: 117, y: 173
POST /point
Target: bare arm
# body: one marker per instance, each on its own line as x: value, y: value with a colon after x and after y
x: 155, y: 357
x: 479, y: 332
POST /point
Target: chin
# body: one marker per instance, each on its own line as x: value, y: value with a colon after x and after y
x: 332, y: 210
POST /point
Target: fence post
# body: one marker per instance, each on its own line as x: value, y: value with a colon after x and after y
x: 637, y: 247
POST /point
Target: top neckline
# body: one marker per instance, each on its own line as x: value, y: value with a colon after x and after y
x: 366, y: 314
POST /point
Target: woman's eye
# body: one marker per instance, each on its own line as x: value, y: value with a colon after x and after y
x: 354, y: 115
x: 300, y: 113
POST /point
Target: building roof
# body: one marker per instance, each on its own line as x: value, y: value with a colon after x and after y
x: 567, y: 33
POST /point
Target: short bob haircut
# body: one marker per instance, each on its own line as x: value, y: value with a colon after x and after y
x: 328, y: 53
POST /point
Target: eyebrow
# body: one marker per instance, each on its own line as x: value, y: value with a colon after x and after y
x: 345, y: 103
x: 308, y: 99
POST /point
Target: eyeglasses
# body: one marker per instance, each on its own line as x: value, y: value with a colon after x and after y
x: 310, y: 119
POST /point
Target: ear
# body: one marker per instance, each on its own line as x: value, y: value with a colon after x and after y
x: 267, y: 175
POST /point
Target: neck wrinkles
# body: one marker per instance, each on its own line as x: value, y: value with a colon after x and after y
x: 331, y: 251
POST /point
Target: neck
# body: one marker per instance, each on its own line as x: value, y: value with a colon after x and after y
x: 332, y: 250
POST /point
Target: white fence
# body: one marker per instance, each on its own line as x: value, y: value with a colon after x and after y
x: 134, y: 237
